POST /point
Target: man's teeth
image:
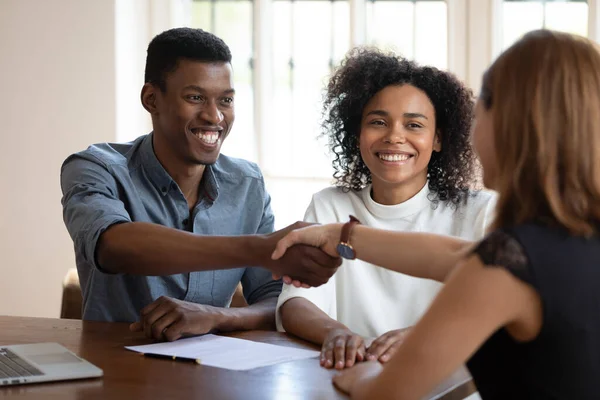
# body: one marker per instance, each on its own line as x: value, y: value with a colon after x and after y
x: 394, y: 157
x: 208, y: 137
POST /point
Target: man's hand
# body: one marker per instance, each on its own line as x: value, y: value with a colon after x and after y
x: 307, y: 264
x: 384, y: 347
x: 342, y: 348
x: 170, y: 319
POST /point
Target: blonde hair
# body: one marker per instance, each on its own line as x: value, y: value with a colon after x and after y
x: 544, y: 95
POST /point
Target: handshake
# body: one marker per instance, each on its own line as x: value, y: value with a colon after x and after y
x: 304, y: 254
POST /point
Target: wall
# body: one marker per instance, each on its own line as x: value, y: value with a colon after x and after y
x: 132, y: 32
x: 136, y: 22
x: 72, y: 71
x: 58, y: 96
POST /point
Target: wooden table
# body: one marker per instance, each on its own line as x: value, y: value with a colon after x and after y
x: 127, y: 375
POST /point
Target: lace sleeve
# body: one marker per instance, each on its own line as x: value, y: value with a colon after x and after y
x: 500, y: 249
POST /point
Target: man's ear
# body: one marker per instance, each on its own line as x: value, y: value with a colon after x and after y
x: 148, y: 97
x: 437, y: 141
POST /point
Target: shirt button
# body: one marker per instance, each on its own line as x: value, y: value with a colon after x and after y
x: 164, y: 189
x: 185, y: 222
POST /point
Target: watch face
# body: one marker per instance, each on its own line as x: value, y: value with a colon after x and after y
x: 346, y: 251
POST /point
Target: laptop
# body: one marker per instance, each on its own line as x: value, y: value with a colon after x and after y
x: 42, y: 362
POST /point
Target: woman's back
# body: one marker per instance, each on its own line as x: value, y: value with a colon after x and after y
x: 563, y: 361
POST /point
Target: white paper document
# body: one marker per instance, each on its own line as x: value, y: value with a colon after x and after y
x: 226, y: 352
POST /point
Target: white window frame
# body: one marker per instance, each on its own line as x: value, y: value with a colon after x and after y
x: 474, y: 40
x: 496, y: 23
x: 594, y: 20
x: 262, y: 12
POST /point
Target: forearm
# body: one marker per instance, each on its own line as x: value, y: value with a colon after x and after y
x: 302, y: 318
x: 148, y: 249
x: 258, y: 316
x: 421, y: 255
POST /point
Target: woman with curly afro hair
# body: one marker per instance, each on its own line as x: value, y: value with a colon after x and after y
x: 403, y: 161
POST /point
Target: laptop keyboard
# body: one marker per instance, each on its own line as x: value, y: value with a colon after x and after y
x: 13, y: 366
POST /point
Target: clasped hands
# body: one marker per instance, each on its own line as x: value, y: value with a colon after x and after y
x: 311, y: 245
x: 307, y: 265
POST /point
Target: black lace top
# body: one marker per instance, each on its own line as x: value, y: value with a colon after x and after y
x: 563, y: 362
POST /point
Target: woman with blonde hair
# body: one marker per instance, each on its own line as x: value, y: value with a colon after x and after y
x: 521, y: 308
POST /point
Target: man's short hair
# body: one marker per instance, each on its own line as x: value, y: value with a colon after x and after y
x: 167, y: 48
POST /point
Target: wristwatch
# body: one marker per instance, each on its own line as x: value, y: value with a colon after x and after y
x: 344, y: 249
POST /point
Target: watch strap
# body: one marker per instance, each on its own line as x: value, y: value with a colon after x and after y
x: 347, y: 229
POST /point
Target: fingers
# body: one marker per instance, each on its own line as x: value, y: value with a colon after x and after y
x: 157, y: 309
x: 301, y: 224
x: 385, y: 346
x: 153, y: 305
x: 339, y: 352
x: 294, y: 282
x: 150, y: 319
x: 306, y: 266
x: 377, y: 348
x: 327, y: 354
x: 361, y: 351
x: 170, y: 319
x: 318, y: 265
x: 352, y: 349
x: 176, y: 330
x: 311, y: 235
x: 299, y: 266
x: 342, y: 350
x: 323, y: 259
x: 385, y: 357
x: 136, y: 326
x: 288, y: 241
x: 160, y: 327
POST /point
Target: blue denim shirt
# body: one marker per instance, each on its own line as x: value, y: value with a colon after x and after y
x: 115, y: 183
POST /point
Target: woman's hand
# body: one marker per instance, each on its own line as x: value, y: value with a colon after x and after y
x: 358, y: 376
x: 342, y: 348
x: 386, y: 345
x: 325, y: 237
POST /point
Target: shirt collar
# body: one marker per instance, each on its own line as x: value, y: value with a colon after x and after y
x: 210, y: 185
x: 153, y: 168
x: 405, y: 209
x: 159, y: 176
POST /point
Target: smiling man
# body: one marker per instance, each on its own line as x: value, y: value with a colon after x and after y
x: 165, y: 227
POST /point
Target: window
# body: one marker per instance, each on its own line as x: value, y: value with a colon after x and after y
x: 231, y: 20
x: 307, y: 39
x: 415, y: 29
x: 522, y: 16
